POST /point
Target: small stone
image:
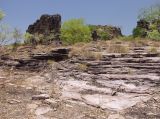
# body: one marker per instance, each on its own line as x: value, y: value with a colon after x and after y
x: 51, y: 102
x: 40, y: 97
x: 32, y: 107
x: 67, y: 105
x: 29, y: 88
x: 11, y: 85
x: 116, y: 116
x: 42, y: 110
x: 41, y: 117
x: 13, y: 101
x: 114, y: 93
x: 2, y: 78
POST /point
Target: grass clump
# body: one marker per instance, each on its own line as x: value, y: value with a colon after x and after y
x: 152, y: 50
x: 83, y: 50
x: 82, y: 67
x: 118, y: 48
x: 139, y: 32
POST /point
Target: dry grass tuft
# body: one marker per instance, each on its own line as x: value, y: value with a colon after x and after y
x: 82, y: 67
x: 152, y: 50
x: 118, y: 48
x: 139, y: 42
x: 85, y: 51
x: 97, y: 56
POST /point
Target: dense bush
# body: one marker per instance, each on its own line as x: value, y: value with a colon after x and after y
x: 139, y: 32
x: 154, y: 35
x: 75, y: 30
x: 92, y: 27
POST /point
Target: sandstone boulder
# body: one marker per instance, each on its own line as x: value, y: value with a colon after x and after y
x: 46, y: 25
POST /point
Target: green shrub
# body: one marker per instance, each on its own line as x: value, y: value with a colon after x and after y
x: 153, y: 26
x: 138, y: 32
x: 38, y: 38
x: 52, y: 36
x: 28, y: 37
x: 154, y: 35
x: 92, y: 27
x: 75, y: 30
x: 104, y: 36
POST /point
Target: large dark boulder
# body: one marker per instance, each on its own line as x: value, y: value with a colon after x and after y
x: 46, y: 25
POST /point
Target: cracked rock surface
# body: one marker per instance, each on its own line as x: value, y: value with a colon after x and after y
x: 116, y: 86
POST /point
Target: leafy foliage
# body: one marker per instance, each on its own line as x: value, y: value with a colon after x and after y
x: 104, y: 35
x: 103, y: 32
x: 154, y: 35
x: 138, y: 32
x: 92, y: 27
x: 28, y: 37
x: 31, y: 39
x: 38, y: 38
x: 75, y: 30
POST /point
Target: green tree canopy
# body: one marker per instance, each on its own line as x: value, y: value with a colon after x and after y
x: 150, y: 13
x: 75, y: 30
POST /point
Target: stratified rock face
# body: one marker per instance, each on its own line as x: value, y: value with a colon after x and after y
x: 35, y: 61
x: 112, y: 31
x: 46, y: 24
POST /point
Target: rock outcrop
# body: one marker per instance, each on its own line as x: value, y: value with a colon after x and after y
x: 56, y: 55
x: 49, y: 25
x: 115, y: 82
x: 116, y: 85
x: 35, y: 61
x: 46, y: 25
x: 106, y: 32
